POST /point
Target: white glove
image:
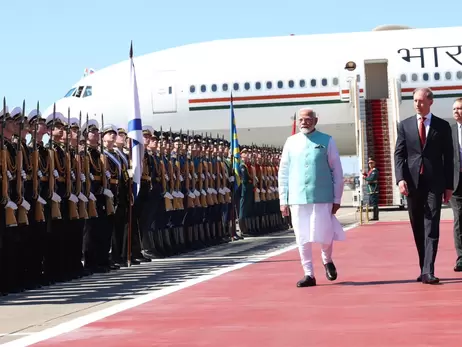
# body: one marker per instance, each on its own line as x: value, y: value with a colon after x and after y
x: 56, y: 197
x: 25, y: 204
x: 92, y: 197
x: 203, y: 192
x: 83, y: 178
x: 11, y: 204
x: 73, y: 175
x: 92, y: 177
x: 108, y: 193
x: 231, y: 179
x: 39, y: 174
x: 10, y: 176
x: 23, y: 174
x: 191, y: 195
x: 55, y: 173
x: 73, y: 198
x: 41, y: 200
x: 181, y: 178
x: 180, y: 195
x: 168, y: 196
x: 108, y: 174
x: 196, y: 192
x: 83, y: 197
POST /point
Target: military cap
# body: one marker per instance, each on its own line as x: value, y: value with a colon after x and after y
x: 92, y: 125
x: 109, y: 128
x: 178, y: 138
x: 7, y: 113
x: 74, y: 122
x: 59, y: 119
x: 16, y: 113
x: 148, y: 130
x: 122, y: 131
x: 34, y: 115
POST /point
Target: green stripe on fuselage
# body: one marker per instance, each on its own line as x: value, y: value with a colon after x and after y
x: 271, y: 104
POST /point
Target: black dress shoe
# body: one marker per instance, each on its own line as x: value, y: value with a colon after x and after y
x: 419, y: 279
x: 308, y: 281
x: 331, y: 271
x: 458, y: 267
x: 430, y: 279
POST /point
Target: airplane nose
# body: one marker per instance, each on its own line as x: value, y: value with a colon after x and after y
x: 75, y: 105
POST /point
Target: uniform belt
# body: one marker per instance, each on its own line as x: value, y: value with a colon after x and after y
x: 97, y: 178
x: 113, y: 181
x: 61, y: 179
x: 44, y: 178
x: 146, y: 177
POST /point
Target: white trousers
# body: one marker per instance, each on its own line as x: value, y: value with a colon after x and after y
x: 306, y: 256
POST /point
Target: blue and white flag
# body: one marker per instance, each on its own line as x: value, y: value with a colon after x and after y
x: 135, y: 127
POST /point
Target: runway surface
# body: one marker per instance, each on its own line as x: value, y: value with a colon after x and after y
x: 376, y: 300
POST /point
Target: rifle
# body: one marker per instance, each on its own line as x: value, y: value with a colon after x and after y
x: 83, y: 214
x: 73, y: 212
x: 188, y: 177
x: 104, y: 178
x: 39, y: 211
x: 55, y: 210
x: 163, y: 171
x: 22, y: 211
x: 92, y: 212
x: 10, y: 217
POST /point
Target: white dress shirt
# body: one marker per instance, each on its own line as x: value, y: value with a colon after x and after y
x: 427, y: 122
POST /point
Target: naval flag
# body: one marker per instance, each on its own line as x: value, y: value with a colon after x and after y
x: 135, y: 126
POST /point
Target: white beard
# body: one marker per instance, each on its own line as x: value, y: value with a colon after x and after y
x: 305, y: 130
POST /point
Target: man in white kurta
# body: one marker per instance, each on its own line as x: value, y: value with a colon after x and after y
x: 311, y: 185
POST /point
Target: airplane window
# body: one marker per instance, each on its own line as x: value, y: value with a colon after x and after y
x: 69, y: 93
x: 425, y: 76
x: 459, y: 75
x: 313, y: 83
x: 236, y: 86
x: 269, y: 85
x: 78, y: 94
x: 88, y: 92
x: 214, y: 87
x: 225, y: 87
x: 192, y: 89
x: 247, y: 86
x: 291, y: 84
x: 257, y: 85
x: 170, y: 90
x: 280, y: 84
x: 448, y: 75
x: 324, y: 82
x: 203, y: 88
x: 335, y: 81
x: 414, y: 77
x: 302, y: 83
x: 436, y: 76
x: 403, y: 78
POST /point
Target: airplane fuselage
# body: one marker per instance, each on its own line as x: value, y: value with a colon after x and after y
x: 189, y: 87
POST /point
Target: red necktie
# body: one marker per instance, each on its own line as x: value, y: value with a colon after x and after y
x: 423, y: 137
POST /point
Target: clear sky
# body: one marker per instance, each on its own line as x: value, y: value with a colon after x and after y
x: 46, y: 45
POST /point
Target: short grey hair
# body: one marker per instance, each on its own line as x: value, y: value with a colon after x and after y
x: 309, y: 110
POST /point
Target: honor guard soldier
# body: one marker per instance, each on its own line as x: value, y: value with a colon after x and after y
x: 177, y: 180
x: 248, y: 195
x: 8, y: 228
x: 372, y: 180
x: 34, y: 190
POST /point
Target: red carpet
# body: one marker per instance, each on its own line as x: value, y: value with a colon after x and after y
x: 374, y: 302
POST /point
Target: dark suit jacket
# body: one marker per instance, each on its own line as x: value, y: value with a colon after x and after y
x: 455, y: 138
x: 437, y: 155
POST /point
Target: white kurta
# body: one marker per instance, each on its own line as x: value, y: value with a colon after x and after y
x: 315, y: 222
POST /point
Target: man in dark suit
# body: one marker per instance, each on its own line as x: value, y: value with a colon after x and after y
x: 456, y: 200
x: 424, y: 171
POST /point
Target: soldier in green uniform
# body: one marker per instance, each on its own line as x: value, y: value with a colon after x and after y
x: 372, y: 179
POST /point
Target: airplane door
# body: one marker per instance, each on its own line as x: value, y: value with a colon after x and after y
x: 164, y: 92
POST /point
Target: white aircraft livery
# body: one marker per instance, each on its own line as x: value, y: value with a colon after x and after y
x: 189, y: 87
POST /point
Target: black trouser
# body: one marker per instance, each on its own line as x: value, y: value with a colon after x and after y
x: 424, y: 208
x: 456, y: 204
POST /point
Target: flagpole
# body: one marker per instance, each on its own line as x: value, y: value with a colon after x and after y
x: 130, y: 205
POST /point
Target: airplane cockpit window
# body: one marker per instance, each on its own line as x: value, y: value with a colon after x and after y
x: 425, y: 76
x: 448, y: 75
x: 88, y: 92
x: 78, y: 94
x: 69, y: 93
x: 436, y: 76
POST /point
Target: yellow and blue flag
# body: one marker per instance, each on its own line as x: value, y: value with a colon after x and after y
x: 235, y: 150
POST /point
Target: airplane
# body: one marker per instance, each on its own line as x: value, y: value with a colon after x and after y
x: 189, y: 87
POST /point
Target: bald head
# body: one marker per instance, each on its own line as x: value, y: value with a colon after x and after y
x: 307, y: 120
